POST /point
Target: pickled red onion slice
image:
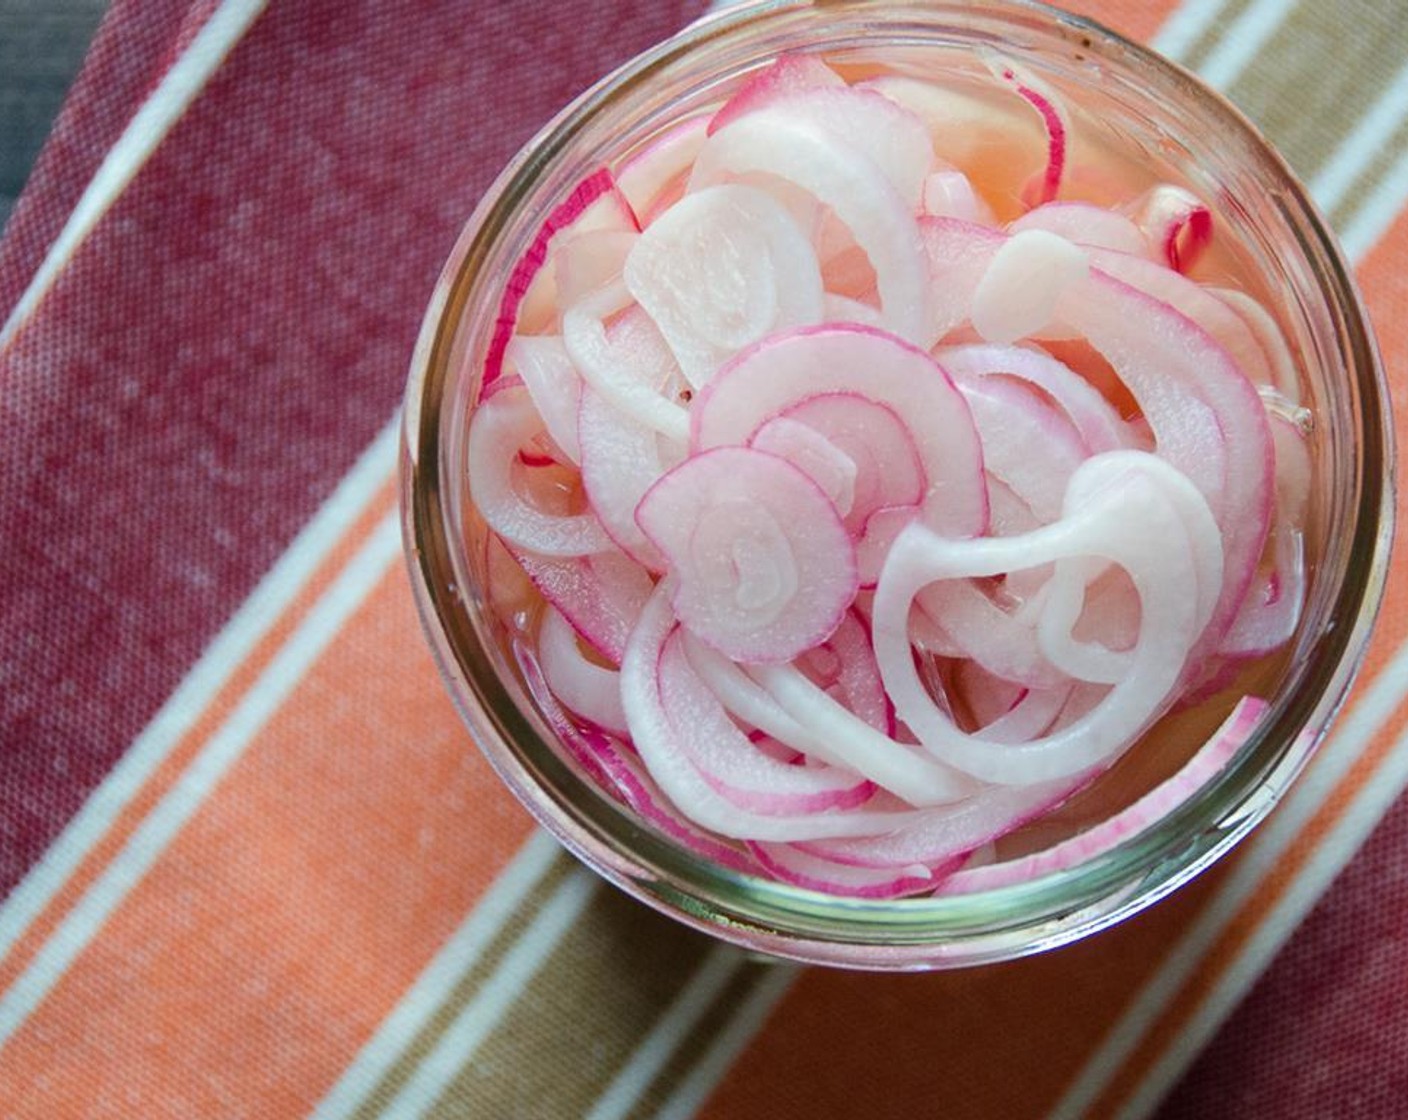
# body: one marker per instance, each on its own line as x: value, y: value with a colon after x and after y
x: 1054, y: 119
x: 942, y: 835
x: 1023, y: 282
x: 656, y: 736
x: 972, y: 626
x: 957, y: 255
x: 1118, y: 509
x: 771, y: 142
x: 879, y: 446
x: 791, y: 863
x: 586, y: 261
x: 503, y: 424
x: 1280, y: 365
x: 1028, y: 444
x: 1206, y: 418
x: 1271, y: 611
x: 854, y: 677
x: 731, y: 764
x: 719, y: 270
x: 751, y: 703
x: 618, y: 771
x: 631, y: 377
x: 1083, y: 223
x: 1270, y: 614
x: 590, y: 690
x: 789, y: 75
x: 974, y: 132
x: 601, y: 594
x: 854, y: 682
x: 1230, y: 327
x: 621, y: 459
x: 764, y: 568
x: 554, y: 384
x: 646, y: 177
x: 596, y: 194
x: 843, y: 738
x: 871, y: 127
x: 950, y: 194
x: 1177, y: 221
x: 796, y: 367
x: 1210, y: 759
x: 851, y: 741
x: 1099, y: 425
x: 815, y: 455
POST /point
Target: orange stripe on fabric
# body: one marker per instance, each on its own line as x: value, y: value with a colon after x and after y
x: 1386, y: 293
x: 204, y: 725
x: 1134, y: 19
x: 997, y: 1041
x: 281, y: 926
x: 1384, y: 283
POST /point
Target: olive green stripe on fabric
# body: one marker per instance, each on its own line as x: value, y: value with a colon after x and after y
x: 707, y: 1028
x: 580, y: 1018
x: 463, y: 990
x: 1319, y: 73
x: 1392, y: 152
x: 1198, y: 50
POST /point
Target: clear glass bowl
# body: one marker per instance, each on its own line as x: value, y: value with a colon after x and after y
x: 1150, y: 110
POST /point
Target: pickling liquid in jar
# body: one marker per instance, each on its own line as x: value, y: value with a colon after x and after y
x: 895, y: 479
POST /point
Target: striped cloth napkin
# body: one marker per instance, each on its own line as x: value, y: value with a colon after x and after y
x: 251, y: 864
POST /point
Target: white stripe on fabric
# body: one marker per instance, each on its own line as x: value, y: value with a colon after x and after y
x: 1363, y: 145
x: 478, y: 1018
x: 673, y: 1026
x: 154, y: 119
x: 1242, y: 39
x: 732, y: 1040
x: 220, y: 752
x: 217, y: 665
x: 506, y: 897
x: 1185, y: 26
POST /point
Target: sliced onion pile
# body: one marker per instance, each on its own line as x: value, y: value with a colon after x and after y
x: 870, y: 528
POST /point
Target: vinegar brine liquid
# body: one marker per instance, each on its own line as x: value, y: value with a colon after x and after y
x: 893, y: 478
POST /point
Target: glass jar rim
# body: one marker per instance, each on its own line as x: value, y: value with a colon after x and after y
x: 791, y: 921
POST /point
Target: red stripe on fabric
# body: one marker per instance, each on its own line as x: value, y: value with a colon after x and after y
x: 1326, y: 1025
x: 230, y: 337
x: 131, y: 50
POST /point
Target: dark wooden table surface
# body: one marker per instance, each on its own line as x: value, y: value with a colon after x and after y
x: 41, y: 46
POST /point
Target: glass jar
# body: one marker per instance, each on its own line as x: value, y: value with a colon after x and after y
x: 1150, y: 111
